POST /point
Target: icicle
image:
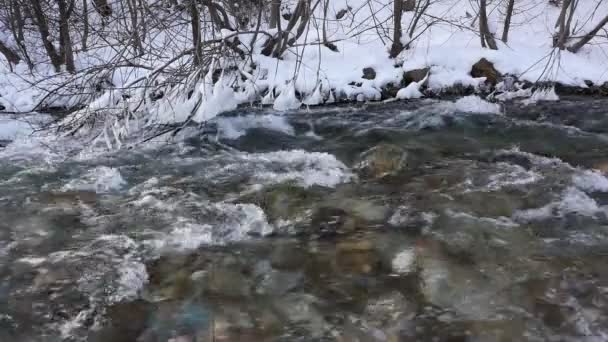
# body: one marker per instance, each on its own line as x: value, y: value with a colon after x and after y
x: 107, y: 138
x: 116, y: 135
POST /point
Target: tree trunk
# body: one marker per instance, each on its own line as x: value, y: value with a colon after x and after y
x: 43, y: 28
x: 17, y: 25
x: 419, y: 12
x: 103, y: 8
x: 397, y: 47
x: 65, y: 41
x: 484, y: 28
x: 586, y: 38
x: 135, y: 37
x: 196, y: 33
x: 275, y: 14
x: 563, y: 24
x: 11, y: 56
x: 508, y: 16
x: 85, y: 19
x: 143, y: 24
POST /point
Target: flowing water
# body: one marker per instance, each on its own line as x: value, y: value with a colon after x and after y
x: 393, y: 222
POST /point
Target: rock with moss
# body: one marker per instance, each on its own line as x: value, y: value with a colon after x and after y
x: 380, y: 161
x: 286, y: 201
x: 485, y: 68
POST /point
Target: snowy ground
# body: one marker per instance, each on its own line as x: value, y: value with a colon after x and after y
x: 449, y: 47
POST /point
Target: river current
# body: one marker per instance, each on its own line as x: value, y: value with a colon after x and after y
x: 424, y: 221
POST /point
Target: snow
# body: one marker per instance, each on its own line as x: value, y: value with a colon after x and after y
x: 315, y: 98
x: 287, y: 100
x: 216, y: 98
x: 412, y: 91
x: 311, y: 74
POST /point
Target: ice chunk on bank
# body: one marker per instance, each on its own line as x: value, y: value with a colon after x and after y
x: 215, y: 99
x: 542, y: 94
x: 412, y: 91
x: 287, y: 100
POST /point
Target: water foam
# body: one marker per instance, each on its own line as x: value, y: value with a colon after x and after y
x: 235, y: 127
x: 102, y: 179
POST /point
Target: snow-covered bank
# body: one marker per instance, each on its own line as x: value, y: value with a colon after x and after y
x: 441, y: 57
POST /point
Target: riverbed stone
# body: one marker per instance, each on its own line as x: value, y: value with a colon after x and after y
x: 489, y: 204
x: 301, y: 309
x: 126, y: 322
x: 387, y: 308
x: 601, y: 166
x: 288, y: 257
x: 330, y: 222
x: 228, y: 283
x: 358, y: 257
x: 380, y: 161
x: 278, y: 283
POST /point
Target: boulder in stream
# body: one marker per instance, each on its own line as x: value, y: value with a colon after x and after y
x: 381, y: 160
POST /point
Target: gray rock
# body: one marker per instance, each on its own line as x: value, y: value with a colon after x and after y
x: 415, y: 75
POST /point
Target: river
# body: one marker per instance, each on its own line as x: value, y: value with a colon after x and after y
x: 416, y: 221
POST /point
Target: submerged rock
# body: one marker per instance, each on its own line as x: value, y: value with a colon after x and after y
x: 277, y: 283
x: 125, y: 322
x: 228, y: 283
x: 358, y: 256
x: 388, y: 308
x: 330, y: 222
x: 602, y: 166
x: 301, y: 309
x: 381, y: 160
x: 286, y: 202
x: 288, y: 257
